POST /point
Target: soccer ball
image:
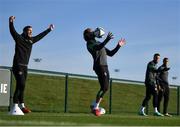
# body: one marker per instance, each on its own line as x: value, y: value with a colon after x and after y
x: 102, y: 110
x: 99, y: 32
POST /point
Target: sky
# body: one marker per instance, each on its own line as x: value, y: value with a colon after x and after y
x: 149, y: 26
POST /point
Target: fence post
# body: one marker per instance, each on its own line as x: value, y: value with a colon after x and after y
x: 110, y: 97
x: 66, y: 94
x: 178, y: 100
x: 11, y: 91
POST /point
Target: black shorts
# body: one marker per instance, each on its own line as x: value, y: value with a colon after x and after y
x: 103, y: 77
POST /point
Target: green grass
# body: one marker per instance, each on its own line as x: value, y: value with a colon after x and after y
x: 86, y: 119
x: 44, y: 95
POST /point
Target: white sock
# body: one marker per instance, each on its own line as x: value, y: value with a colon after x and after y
x: 96, y: 106
x: 22, y: 105
x: 143, y: 108
x: 15, y: 105
x: 155, y: 109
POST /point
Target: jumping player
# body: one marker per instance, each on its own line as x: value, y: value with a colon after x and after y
x: 23, y: 47
x: 99, y: 53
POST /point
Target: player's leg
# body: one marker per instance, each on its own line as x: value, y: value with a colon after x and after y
x: 145, y: 101
x: 15, y: 110
x: 22, y: 89
x: 95, y: 104
x: 103, y: 78
x: 166, y: 101
x: 22, y: 86
x: 160, y: 96
x: 104, y: 81
x: 17, y: 78
x: 154, y: 90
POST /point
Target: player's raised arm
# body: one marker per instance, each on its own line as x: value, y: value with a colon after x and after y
x: 51, y: 26
x: 12, y: 18
x: 121, y: 42
x: 44, y: 33
x: 11, y: 27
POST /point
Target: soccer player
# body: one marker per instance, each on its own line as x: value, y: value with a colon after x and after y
x: 99, y: 53
x: 151, y: 86
x: 164, y: 86
x: 23, y: 47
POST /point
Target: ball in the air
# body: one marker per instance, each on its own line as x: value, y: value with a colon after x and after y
x: 99, y: 32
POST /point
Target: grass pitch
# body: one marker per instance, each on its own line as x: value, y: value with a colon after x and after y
x: 45, y: 96
x: 81, y: 119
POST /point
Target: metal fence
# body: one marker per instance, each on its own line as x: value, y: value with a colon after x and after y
x: 66, y: 85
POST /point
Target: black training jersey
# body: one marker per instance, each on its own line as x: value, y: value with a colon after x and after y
x: 151, y: 73
x: 99, y: 52
x: 99, y: 56
x: 23, y: 45
x: 163, y: 75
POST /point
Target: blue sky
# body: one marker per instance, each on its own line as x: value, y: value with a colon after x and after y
x: 149, y: 26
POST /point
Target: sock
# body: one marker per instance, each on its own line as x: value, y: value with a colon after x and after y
x: 98, y: 101
x: 142, y: 109
x: 22, y: 105
x: 155, y: 109
x: 96, y: 105
x: 15, y: 105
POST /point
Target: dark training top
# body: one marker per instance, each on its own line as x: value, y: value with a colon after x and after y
x: 23, y: 45
x: 99, y: 52
x: 151, y: 73
x: 163, y: 75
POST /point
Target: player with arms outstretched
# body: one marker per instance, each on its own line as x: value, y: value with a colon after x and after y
x: 23, y: 47
x: 99, y: 53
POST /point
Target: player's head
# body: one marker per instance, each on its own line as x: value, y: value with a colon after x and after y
x: 27, y: 31
x: 156, y: 57
x: 165, y: 61
x: 88, y: 34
